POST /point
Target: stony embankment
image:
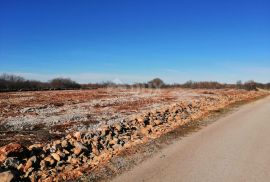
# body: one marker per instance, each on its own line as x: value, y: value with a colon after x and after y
x: 80, y: 152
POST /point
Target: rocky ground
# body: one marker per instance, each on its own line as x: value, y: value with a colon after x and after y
x: 62, y: 135
x: 44, y: 116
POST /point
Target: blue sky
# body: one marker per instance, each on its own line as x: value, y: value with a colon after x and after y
x: 134, y: 41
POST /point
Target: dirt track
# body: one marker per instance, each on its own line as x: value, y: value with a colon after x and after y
x: 235, y: 148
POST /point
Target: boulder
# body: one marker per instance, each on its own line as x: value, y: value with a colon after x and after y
x: 35, y: 146
x: 12, y: 149
x: 64, y: 143
x: 140, y: 119
x: 56, y: 156
x: 57, y: 142
x: 49, y: 160
x: 79, y: 148
x: 117, y: 147
x: 73, y: 161
x: 12, y: 162
x: 118, y: 126
x: 61, y: 154
x: 69, y: 167
x: 146, y: 130
x: 3, y: 157
x: 95, y: 151
x: 146, y: 121
x: 157, y: 122
x: 114, y: 141
x: 78, y: 136
x: 20, y: 167
x: 42, y: 164
x: 68, y: 136
x: 30, y: 162
x: 7, y: 176
x: 28, y: 172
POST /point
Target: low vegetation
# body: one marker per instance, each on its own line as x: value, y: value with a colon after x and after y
x: 17, y: 83
x: 249, y: 85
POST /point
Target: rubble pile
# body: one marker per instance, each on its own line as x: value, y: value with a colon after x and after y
x: 79, y: 152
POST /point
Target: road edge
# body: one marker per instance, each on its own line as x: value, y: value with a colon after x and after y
x: 134, y: 156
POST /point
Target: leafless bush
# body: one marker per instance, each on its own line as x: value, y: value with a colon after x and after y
x: 64, y: 83
x: 204, y: 84
x: 156, y: 83
x: 252, y: 85
x: 17, y: 83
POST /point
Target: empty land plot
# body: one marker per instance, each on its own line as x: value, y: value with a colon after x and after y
x: 30, y: 117
x: 46, y: 115
x: 75, y: 132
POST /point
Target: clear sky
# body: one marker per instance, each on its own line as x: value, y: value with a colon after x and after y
x: 136, y: 40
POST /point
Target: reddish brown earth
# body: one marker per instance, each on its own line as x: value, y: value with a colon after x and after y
x: 235, y: 148
x: 74, y: 132
x: 29, y: 117
x: 46, y: 115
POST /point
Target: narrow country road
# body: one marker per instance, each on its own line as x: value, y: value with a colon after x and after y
x: 235, y: 148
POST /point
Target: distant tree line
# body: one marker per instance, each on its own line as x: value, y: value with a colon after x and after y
x: 17, y: 83
x: 249, y: 85
x: 252, y: 85
x: 155, y: 83
x: 158, y: 83
x: 205, y: 84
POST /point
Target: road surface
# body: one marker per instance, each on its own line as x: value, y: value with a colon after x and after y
x: 235, y: 148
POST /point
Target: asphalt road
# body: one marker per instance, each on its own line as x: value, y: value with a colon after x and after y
x: 235, y: 148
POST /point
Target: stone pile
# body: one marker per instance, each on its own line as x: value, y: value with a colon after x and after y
x: 80, y: 152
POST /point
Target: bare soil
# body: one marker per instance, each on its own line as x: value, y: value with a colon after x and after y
x: 42, y: 116
x: 127, y: 160
x: 231, y: 149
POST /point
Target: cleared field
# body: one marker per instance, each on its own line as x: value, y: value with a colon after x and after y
x: 41, y: 116
x: 64, y: 135
x: 29, y: 117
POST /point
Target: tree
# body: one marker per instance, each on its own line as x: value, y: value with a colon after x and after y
x: 250, y: 85
x: 239, y: 84
x: 156, y: 83
x: 63, y: 83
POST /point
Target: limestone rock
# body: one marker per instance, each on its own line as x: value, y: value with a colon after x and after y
x: 157, y: 122
x: 50, y: 160
x: 79, y: 148
x: 78, y: 136
x: 35, y: 146
x: 12, y: 162
x: 12, y: 148
x: 118, y: 126
x: 30, y: 162
x: 56, y: 156
x: 7, y: 176
x: 64, y: 143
